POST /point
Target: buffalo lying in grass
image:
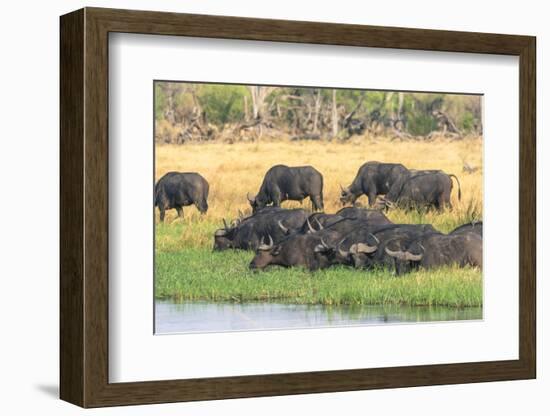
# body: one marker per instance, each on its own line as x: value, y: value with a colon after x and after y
x: 315, y: 222
x: 365, y: 246
x: 435, y: 250
x: 476, y: 227
x: 296, y: 250
x: 176, y: 190
x: 283, y: 183
x: 248, y: 232
x: 346, y: 218
x: 372, y: 216
x: 313, y: 249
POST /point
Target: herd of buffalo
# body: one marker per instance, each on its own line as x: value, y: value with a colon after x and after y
x: 358, y: 237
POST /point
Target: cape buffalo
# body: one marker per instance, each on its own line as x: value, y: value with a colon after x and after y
x: 283, y: 183
x: 247, y: 235
x: 365, y: 247
x: 316, y: 222
x: 475, y: 226
x: 176, y: 190
x: 422, y: 189
x: 372, y: 216
x: 295, y: 250
x: 372, y: 179
x: 434, y: 250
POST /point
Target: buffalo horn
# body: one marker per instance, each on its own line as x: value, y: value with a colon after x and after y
x: 319, y: 224
x: 365, y: 248
x: 375, y: 239
x: 413, y: 257
x: 264, y: 246
x: 220, y: 233
x: 251, y: 200
x: 225, y: 224
x: 285, y: 230
x: 311, y: 229
x: 342, y: 252
x: 400, y: 255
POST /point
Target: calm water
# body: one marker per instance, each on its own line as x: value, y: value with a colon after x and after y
x: 173, y: 317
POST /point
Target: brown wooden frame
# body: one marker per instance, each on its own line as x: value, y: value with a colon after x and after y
x: 84, y: 207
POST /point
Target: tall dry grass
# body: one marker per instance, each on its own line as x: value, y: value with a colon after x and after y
x: 235, y: 169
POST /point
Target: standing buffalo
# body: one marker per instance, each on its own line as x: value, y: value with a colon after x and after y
x: 422, y: 189
x: 283, y: 183
x: 176, y: 190
x: 372, y: 179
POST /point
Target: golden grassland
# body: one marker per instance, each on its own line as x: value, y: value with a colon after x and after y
x: 232, y: 170
x: 187, y: 269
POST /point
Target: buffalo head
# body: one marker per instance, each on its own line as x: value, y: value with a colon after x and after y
x: 358, y: 253
x: 406, y: 258
x: 266, y: 254
x: 223, y: 238
x: 256, y: 203
x: 346, y: 196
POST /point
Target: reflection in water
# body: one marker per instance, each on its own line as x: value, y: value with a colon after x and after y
x: 173, y: 317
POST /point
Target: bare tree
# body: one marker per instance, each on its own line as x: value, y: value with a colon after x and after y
x: 334, y: 115
x: 259, y: 94
x: 316, y: 111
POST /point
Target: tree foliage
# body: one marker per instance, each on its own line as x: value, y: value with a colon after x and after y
x: 187, y: 111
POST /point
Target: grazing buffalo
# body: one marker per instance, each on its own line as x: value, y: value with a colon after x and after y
x: 247, y: 234
x: 176, y: 190
x: 475, y: 226
x: 435, y: 249
x: 365, y: 247
x: 296, y: 250
x: 372, y: 179
x: 422, y: 189
x: 372, y: 216
x: 283, y: 183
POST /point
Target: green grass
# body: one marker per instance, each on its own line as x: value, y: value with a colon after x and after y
x: 188, y: 270
x: 200, y: 274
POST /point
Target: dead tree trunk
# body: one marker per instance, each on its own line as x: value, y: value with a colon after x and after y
x: 246, y: 113
x: 316, y: 111
x: 334, y: 115
x: 259, y: 95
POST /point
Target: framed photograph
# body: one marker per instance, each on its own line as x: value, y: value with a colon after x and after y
x: 262, y: 207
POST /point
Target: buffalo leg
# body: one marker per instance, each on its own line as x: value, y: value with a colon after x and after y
x: 443, y: 202
x: 162, y: 212
x: 180, y: 211
x: 372, y: 198
x: 317, y: 201
x: 276, y: 197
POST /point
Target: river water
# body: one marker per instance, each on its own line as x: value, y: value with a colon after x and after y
x: 189, y: 317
